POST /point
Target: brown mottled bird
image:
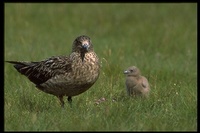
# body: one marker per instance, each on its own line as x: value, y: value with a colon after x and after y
x: 136, y: 85
x: 64, y: 75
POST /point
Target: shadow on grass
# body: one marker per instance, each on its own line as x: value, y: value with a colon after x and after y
x: 33, y: 104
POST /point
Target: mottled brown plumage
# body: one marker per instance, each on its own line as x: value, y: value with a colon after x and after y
x: 64, y: 75
x: 136, y: 85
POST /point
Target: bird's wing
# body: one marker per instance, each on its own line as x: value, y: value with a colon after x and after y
x: 145, y: 83
x: 40, y: 72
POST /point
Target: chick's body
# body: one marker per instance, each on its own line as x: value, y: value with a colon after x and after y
x: 136, y: 85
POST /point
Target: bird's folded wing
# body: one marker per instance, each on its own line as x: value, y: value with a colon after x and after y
x: 145, y: 83
x: 40, y: 72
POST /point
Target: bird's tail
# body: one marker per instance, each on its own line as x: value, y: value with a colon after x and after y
x: 15, y: 62
x: 21, y: 67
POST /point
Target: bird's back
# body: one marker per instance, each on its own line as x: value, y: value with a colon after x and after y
x: 40, y: 72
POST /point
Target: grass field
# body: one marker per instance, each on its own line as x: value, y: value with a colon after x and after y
x: 160, y: 39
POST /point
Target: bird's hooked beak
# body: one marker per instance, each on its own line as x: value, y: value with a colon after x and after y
x: 84, y: 49
x: 85, y: 46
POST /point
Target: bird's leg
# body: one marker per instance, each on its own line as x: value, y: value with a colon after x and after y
x: 61, y: 101
x: 70, y: 100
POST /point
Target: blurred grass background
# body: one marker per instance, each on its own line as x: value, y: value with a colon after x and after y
x: 158, y: 38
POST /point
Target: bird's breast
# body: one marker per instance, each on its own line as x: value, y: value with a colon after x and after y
x: 87, y: 70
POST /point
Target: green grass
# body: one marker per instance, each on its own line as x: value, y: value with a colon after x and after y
x: 160, y: 39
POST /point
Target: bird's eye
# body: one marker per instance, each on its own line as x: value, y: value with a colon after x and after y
x: 132, y: 70
x: 78, y: 43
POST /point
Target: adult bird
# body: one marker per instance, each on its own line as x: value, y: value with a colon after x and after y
x: 64, y: 75
x: 136, y: 84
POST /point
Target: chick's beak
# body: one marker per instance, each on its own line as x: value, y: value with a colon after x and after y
x: 126, y: 72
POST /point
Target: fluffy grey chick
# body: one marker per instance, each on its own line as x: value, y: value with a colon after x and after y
x: 64, y: 75
x: 136, y: 85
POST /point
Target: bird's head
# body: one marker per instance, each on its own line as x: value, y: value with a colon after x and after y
x: 82, y: 45
x: 132, y: 71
